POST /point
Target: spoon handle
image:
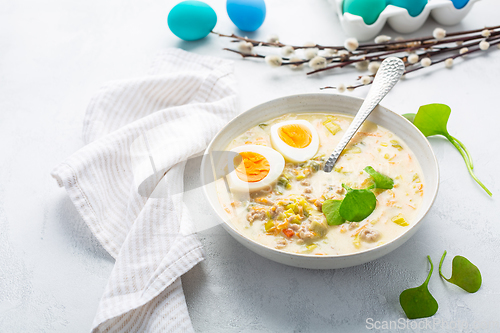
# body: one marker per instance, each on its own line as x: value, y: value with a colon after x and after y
x: 388, y: 75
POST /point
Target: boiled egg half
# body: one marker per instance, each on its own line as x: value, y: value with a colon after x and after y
x: 255, y: 167
x: 296, y: 140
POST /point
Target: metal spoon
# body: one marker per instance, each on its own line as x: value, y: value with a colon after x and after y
x: 388, y: 75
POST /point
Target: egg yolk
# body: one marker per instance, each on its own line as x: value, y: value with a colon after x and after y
x: 295, y: 135
x: 251, y: 167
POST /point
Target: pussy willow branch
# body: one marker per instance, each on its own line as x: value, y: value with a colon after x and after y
x: 458, y: 47
x: 378, y: 56
x: 493, y: 42
x: 428, y: 53
x: 256, y: 55
x: 396, y: 44
x: 410, y: 49
x: 408, y: 45
x: 424, y: 39
x: 423, y: 47
x: 277, y: 44
x: 364, y: 58
x: 245, y: 55
x: 422, y: 44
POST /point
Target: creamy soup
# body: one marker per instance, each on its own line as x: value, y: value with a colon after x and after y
x: 287, y: 187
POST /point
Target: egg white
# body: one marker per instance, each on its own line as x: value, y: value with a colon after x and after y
x: 276, y: 166
x: 293, y: 154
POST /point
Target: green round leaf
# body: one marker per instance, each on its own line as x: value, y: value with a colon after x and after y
x: 418, y: 302
x: 331, y: 210
x: 357, y: 205
x: 463, y: 274
x: 410, y: 116
x: 381, y: 181
x: 432, y: 119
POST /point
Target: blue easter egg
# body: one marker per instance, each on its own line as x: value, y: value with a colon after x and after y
x: 414, y: 7
x: 459, y: 4
x: 369, y: 10
x: 191, y: 20
x: 247, y: 15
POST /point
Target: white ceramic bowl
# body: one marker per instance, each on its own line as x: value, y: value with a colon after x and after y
x: 325, y: 103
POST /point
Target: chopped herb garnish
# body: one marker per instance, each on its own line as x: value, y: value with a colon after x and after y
x: 332, y: 127
x: 400, y: 220
x: 431, y: 120
x: 381, y: 181
x: 284, y: 182
x: 331, y: 210
x: 315, y: 166
x: 463, y: 274
x: 263, y: 125
x: 418, y: 302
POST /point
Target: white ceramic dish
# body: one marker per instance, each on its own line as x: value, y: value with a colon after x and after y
x: 325, y: 103
x: 443, y: 11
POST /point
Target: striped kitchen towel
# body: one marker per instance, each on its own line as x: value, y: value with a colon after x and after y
x: 127, y: 184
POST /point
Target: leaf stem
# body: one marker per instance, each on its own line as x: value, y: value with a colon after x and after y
x: 426, y: 283
x: 466, y: 156
x: 466, y: 151
x: 346, y: 187
x: 441, y: 264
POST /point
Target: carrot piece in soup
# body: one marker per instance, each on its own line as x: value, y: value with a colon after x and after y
x: 288, y: 232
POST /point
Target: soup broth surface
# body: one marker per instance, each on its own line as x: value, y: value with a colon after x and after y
x: 287, y: 215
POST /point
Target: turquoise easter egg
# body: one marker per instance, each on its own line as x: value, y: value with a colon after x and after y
x: 247, y: 15
x: 414, y: 7
x: 459, y: 4
x: 369, y: 10
x: 191, y: 20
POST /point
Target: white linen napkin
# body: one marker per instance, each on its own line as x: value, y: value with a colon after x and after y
x: 138, y: 135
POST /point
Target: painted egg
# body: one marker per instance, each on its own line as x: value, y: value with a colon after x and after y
x: 369, y: 10
x: 247, y: 15
x: 296, y: 140
x: 191, y: 20
x: 459, y: 4
x: 414, y: 7
x: 255, y: 168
